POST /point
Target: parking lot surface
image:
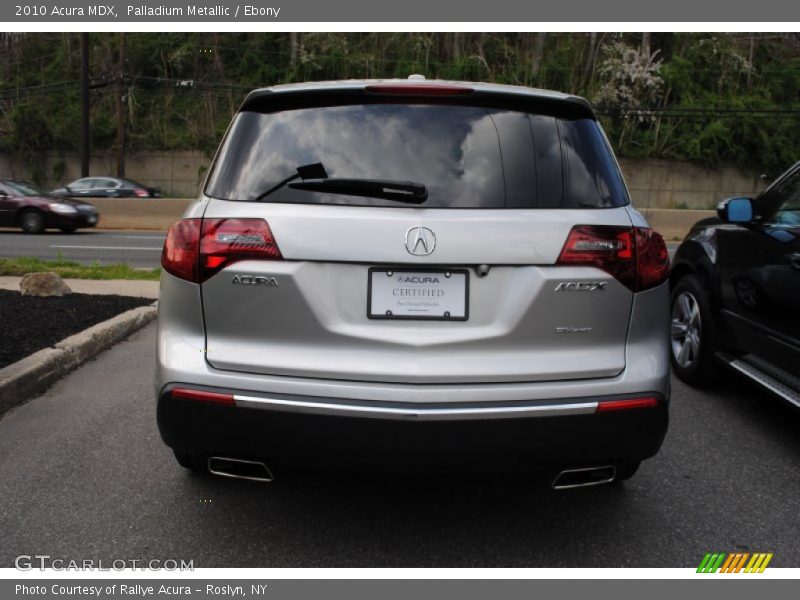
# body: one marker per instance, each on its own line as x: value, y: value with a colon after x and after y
x: 84, y: 474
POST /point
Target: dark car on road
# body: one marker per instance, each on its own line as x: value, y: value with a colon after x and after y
x: 107, y: 187
x: 23, y: 205
x: 736, y: 291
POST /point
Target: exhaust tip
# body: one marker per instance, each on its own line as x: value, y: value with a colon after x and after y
x: 584, y: 477
x: 237, y: 468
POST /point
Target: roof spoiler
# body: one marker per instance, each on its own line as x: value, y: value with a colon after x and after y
x: 269, y: 100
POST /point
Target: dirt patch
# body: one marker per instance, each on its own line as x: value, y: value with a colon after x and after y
x: 28, y: 324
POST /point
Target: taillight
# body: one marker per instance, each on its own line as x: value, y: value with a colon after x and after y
x: 195, y: 249
x: 636, y: 256
x: 224, y: 241
x: 141, y: 193
x: 420, y: 89
x: 652, y: 259
x: 602, y: 246
x: 181, y: 254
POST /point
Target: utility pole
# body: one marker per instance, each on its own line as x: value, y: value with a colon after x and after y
x: 84, y: 105
x: 121, y: 102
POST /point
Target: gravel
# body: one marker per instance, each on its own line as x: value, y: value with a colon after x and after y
x: 29, y: 324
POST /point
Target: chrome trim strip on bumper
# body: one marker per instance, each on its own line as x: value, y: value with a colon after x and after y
x: 415, y: 414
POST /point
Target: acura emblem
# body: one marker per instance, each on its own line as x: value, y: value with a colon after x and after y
x: 420, y: 241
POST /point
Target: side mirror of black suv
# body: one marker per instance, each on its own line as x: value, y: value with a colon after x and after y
x: 736, y: 210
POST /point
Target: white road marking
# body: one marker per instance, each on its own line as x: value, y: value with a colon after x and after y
x: 106, y: 248
x: 141, y: 237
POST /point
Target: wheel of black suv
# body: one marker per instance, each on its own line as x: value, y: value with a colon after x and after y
x: 626, y: 470
x: 193, y: 462
x: 692, y: 333
x: 32, y: 221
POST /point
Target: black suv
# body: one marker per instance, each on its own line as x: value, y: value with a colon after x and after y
x: 736, y: 291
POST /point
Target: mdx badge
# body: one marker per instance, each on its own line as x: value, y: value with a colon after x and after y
x: 262, y: 280
x: 581, y: 286
x: 420, y: 241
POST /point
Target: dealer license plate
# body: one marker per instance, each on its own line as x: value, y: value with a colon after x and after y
x: 425, y: 294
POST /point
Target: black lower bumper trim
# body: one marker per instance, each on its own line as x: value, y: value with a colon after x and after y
x: 320, y: 440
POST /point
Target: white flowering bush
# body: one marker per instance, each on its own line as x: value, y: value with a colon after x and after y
x: 630, y: 77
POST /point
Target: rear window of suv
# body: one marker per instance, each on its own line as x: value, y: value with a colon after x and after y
x: 465, y: 156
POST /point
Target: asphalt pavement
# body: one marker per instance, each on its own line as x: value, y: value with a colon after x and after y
x: 84, y: 474
x: 136, y: 248
x: 139, y: 249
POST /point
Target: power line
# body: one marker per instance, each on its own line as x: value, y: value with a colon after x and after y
x: 154, y: 85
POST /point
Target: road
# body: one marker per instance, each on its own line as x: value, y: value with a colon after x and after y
x: 138, y: 249
x: 83, y: 474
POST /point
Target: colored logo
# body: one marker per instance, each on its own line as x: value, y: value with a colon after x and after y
x: 739, y: 562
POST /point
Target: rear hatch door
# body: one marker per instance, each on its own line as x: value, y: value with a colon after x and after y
x: 463, y: 287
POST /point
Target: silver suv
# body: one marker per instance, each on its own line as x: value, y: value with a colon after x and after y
x: 413, y: 273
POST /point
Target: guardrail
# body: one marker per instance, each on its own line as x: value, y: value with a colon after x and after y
x: 674, y: 224
x: 139, y: 213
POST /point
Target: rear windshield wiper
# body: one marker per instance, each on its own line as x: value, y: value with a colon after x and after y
x: 312, y: 171
x: 409, y: 192
x: 315, y: 179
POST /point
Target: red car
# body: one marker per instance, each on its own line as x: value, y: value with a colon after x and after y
x: 32, y: 210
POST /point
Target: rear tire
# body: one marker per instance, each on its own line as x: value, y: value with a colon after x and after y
x: 192, y: 462
x: 692, y: 332
x: 31, y: 221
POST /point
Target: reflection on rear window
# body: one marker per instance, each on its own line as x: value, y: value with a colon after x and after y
x: 466, y: 157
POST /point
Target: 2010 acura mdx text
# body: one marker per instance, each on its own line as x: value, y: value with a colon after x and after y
x: 414, y: 274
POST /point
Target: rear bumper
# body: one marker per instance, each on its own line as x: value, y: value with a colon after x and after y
x: 297, y: 434
x: 324, y: 432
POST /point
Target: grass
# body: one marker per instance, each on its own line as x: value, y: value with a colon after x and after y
x: 73, y: 270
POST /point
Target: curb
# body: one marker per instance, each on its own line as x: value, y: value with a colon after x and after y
x: 35, y: 373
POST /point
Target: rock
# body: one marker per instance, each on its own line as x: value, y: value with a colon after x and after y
x: 43, y: 284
